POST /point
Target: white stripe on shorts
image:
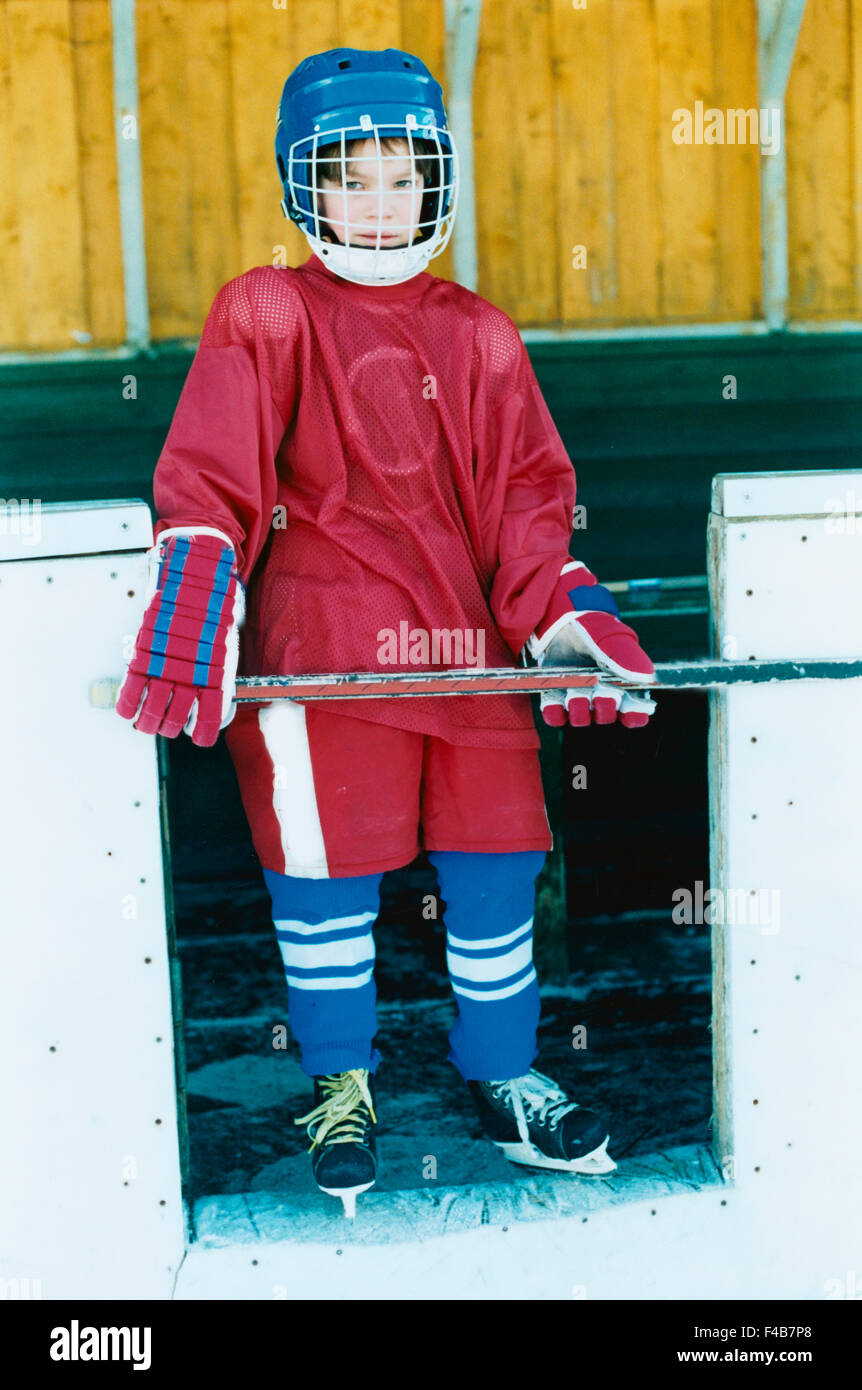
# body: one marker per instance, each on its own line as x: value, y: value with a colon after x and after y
x: 293, y: 798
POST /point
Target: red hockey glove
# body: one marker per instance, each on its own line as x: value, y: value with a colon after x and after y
x: 182, y: 674
x: 581, y: 627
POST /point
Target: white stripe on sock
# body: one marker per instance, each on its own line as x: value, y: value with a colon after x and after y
x: 488, y: 943
x: 490, y: 967
x: 309, y: 954
x: 504, y: 993
x: 327, y: 982
x: 359, y: 919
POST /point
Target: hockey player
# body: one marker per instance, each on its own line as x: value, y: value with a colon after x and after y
x: 358, y: 445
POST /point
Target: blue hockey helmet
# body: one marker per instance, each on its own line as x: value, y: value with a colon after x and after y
x: 351, y: 94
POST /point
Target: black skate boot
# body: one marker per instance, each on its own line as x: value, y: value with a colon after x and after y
x: 535, y: 1123
x: 340, y: 1127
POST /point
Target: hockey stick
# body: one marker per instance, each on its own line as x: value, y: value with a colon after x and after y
x: 530, y: 680
x: 685, y: 675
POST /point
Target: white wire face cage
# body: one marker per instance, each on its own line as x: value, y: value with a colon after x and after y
x: 363, y: 256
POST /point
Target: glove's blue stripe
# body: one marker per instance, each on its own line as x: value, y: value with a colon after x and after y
x: 173, y: 579
x: 214, y: 607
x: 593, y: 598
x: 162, y: 624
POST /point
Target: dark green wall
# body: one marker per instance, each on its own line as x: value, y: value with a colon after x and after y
x: 644, y: 422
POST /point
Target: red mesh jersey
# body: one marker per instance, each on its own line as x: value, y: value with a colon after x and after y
x: 378, y: 455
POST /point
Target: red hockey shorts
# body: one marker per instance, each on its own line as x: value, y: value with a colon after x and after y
x: 331, y: 796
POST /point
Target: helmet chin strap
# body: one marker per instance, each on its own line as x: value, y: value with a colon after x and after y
x: 370, y: 265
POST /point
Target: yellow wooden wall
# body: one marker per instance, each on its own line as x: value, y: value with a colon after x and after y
x: 572, y: 147
x: 60, y: 273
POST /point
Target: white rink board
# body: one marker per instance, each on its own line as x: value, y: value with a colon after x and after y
x: 785, y: 777
x: 84, y: 1180
x: 794, y: 949
x: 791, y: 585
x: 30, y: 531
x: 814, y: 492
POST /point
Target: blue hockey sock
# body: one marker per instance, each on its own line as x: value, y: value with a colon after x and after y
x: 324, y: 929
x: 490, y: 900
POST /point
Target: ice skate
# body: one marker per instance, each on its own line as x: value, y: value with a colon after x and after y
x: 344, y: 1159
x: 533, y: 1122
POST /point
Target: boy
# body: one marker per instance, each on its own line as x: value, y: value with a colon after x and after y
x: 362, y: 444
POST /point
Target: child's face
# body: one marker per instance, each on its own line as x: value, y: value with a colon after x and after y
x: 401, y: 190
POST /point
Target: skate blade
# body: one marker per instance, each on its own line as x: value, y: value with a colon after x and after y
x: 348, y: 1196
x: 591, y: 1164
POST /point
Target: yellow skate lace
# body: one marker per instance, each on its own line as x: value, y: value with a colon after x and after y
x: 343, y: 1093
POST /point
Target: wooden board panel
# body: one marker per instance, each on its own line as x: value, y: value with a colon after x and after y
x: 856, y: 147
x: 821, y: 234
x: 373, y: 24
x: 495, y: 191
x: 572, y: 120
x: 261, y: 59
x: 92, y: 57
x: 166, y: 166
x: 855, y: 124
x: 737, y: 167
x: 801, y: 178
x: 12, y: 331
x: 535, y: 166
x: 50, y: 262
x: 582, y: 62
x: 635, y: 227
x: 689, y: 212
x: 210, y: 133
